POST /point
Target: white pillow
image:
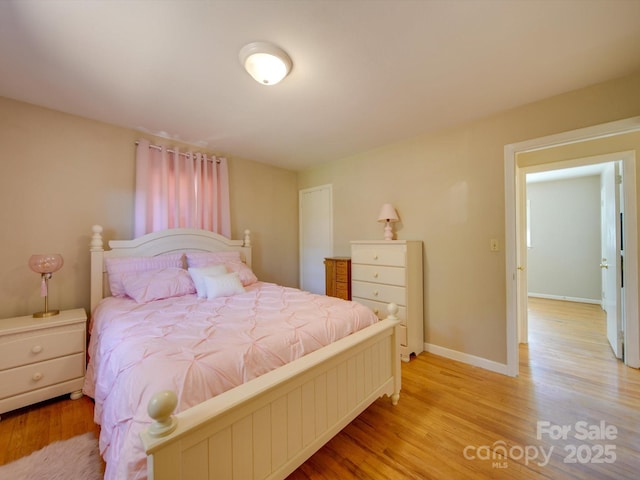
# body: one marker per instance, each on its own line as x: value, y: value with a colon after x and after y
x: 198, y: 274
x: 223, y: 285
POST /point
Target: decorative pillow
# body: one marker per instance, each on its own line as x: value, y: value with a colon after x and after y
x: 152, y: 285
x: 198, y: 274
x: 230, y: 259
x: 223, y: 285
x: 247, y: 277
x: 118, y: 266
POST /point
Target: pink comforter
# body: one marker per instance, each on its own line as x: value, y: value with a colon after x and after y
x: 197, y: 348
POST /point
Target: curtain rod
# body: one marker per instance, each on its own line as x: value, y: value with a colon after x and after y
x: 168, y: 150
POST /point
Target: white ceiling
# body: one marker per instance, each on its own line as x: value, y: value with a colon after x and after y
x: 365, y: 74
x: 565, y: 173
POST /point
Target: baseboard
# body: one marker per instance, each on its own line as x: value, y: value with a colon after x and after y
x: 568, y: 299
x: 466, y: 358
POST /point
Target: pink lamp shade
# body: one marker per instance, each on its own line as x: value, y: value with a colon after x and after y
x: 46, y: 265
x: 388, y: 213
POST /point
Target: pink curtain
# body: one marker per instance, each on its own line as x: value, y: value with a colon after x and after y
x: 180, y: 190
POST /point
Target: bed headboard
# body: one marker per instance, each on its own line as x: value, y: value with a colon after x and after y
x: 157, y: 243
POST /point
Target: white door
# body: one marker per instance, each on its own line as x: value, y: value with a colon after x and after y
x: 610, y: 262
x: 316, y: 236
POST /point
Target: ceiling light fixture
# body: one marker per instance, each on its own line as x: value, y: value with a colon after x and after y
x: 265, y: 62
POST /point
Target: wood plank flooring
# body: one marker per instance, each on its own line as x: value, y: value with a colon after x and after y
x: 453, y: 421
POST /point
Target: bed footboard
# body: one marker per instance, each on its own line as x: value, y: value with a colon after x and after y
x: 266, y: 428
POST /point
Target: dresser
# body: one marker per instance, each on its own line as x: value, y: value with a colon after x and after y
x: 388, y: 271
x: 338, y: 277
x: 41, y: 358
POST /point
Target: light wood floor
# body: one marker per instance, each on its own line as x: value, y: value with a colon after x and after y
x: 453, y: 420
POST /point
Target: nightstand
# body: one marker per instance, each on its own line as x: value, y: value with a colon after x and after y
x: 42, y: 358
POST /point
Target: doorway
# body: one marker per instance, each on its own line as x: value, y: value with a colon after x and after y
x: 515, y: 211
x: 574, y: 250
x: 315, y: 217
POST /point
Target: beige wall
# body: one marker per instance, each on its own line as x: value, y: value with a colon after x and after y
x: 60, y: 174
x: 448, y: 188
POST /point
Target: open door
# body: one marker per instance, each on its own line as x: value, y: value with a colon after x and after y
x: 316, y: 236
x: 611, y: 260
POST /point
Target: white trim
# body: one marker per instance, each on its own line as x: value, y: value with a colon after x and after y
x: 595, y: 301
x: 466, y: 358
x: 510, y: 169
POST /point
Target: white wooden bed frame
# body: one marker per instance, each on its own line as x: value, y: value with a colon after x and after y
x: 267, y: 427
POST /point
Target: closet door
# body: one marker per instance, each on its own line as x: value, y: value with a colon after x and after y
x: 316, y: 236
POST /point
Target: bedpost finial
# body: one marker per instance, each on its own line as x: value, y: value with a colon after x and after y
x: 160, y: 408
x: 96, y: 238
x: 247, y: 238
x: 392, y: 308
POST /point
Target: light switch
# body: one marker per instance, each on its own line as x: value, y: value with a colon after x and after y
x: 494, y: 246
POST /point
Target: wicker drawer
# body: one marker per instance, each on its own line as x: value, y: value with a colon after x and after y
x: 51, y: 344
x: 389, y: 255
x: 39, y: 375
x: 379, y: 274
x: 379, y: 293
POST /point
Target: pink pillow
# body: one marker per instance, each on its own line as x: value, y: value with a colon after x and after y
x: 118, y: 266
x: 206, y: 259
x: 230, y: 259
x: 152, y: 285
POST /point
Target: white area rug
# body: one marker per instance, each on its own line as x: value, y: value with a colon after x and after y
x: 75, y: 459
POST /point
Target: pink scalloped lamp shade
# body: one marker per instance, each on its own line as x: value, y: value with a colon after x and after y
x: 46, y: 263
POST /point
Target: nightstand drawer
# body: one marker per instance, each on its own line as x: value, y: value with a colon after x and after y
x: 40, y: 375
x: 378, y: 255
x: 26, y: 349
x: 378, y: 292
x: 379, y: 274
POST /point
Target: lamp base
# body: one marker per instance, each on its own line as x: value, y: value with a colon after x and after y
x: 48, y: 313
x: 388, y: 231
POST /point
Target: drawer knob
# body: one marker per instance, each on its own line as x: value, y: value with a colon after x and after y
x: 376, y: 311
x: 375, y: 257
x: 375, y: 294
x: 36, y: 348
x: 37, y: 376
x: 375, y: 275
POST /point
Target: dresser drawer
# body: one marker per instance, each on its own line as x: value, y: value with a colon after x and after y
x: 379, y: 274
x: 39, y: 375
x: 342, y: 267
x: 342, y: 291
x: 378, y: 292
x: 342, y: 277
x: 378, y: 255
x: 49, y: 344
x: 380, y: 309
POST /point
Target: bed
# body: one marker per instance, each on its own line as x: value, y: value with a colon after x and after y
x: 252, y: 405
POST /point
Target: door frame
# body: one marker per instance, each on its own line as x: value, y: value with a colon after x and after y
x: 515, y: 298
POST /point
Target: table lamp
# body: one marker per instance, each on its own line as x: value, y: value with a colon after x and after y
x: 46, y: 265
x: 389, y: 215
